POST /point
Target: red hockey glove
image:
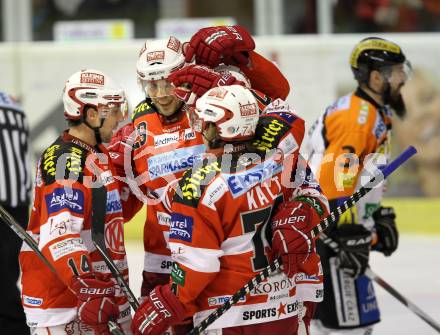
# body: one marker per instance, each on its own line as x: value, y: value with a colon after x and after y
x: 212, y: 46
x: 291, y: 237
x: 120, y: 141
x: 96, y: 305
x: 160, y: 310
x: 193, y: 81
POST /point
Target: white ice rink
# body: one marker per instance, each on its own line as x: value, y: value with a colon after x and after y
x: 413, y: 270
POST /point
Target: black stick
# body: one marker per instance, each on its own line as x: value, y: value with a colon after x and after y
x: 324, y: 224
x: 26, y: 238
x: 99, y: 202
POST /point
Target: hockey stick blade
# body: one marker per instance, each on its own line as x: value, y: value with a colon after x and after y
x: 99, y: 201
x: 26, y: 238
x: 324, y: 224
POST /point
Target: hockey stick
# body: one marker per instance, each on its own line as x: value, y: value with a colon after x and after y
x: 26, y: 238
x: 99, y: 201
x: 324, y: 224
x: 387, y: 287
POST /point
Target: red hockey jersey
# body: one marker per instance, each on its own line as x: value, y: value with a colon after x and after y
x: 219, y: 235
x: 61, y: 224
x: 162, y: 152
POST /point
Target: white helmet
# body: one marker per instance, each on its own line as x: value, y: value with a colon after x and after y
x: 158, y: 58
x: 233, y: 109
x: 91, y: 88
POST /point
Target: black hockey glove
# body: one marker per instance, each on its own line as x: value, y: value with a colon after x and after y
x: 354, y: 248
x: 386, y: 229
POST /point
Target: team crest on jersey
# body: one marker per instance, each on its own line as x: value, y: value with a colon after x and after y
x: 181, y: 227
x: 65, y: 198
x: 114, y: 235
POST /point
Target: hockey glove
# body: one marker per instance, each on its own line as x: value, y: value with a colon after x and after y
x: 96, y: 305
x: 386, y: 230
x: 354, y: 248
x: 291, y: 237
x: 121, y: 144
x: 193, y: 81
x: 212, y: 46
x: 160, y: 310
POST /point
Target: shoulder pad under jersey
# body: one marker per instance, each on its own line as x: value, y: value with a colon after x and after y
x: 63, y: 160
x: 142, y: 108
x: 195, y: 180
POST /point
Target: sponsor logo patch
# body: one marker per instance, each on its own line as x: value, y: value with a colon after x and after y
x: 155, y: 55
x: 178, y: 275
x: 248, y: 110
x: 173, y: 44
x: 220, y: 300
x: 163, y: 219
x: 113, y: 202
x: 65, y: 198
x: 107, y: 178
x: 92, y: 78
x: 218, y: 93
x: 66, y: 247
x: 175, y: 161
x: 240, y: 183
x: 181, y: 227
x: 31, y: 301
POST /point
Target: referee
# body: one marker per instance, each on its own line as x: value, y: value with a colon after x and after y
x: 15, y: 188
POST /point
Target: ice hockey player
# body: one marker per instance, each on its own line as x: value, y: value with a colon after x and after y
x: 220, y: 223
x: 82, y: 296
x: 166, y: 145
x: 340, y: 148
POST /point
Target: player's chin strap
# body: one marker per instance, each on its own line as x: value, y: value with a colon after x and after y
x: 332, y: 244
x: 96, y: 130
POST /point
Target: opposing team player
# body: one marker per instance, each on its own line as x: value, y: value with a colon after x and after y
x: 341, y: 142
x: 220, y: 222
x: 82, y: 296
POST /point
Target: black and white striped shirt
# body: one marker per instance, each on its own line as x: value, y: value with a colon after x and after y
x: 15, y: 178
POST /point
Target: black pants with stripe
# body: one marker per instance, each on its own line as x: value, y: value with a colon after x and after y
x: 12, y: 318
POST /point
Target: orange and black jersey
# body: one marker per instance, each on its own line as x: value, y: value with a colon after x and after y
x: 340, y: 143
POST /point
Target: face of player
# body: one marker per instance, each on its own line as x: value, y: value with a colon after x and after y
x: 397, y: 78
x: 111, y: 121
x: 209, y: 134
x: 161, y: 93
